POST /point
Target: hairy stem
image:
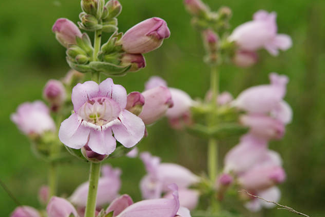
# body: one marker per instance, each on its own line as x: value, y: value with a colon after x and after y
x: 92, y: 191
x: 97, y: 43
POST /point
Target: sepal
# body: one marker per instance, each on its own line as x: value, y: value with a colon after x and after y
x: 114, y: 8
x: 109, y: 69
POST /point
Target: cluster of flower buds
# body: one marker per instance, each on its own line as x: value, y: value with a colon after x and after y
x: 121, y: 206
x: 256, y: 168
x: 254, y: 35
x: 161, y: 175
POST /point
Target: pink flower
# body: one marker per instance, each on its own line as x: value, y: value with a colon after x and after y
x: 137, y: 61
x: 25, y: 211
x: 157, y: 102
x: 245, y: 58
x: 124, y: 207
x: 182, y: 103
x: 145, y: 36
x: 196, y: 7
x: 263, y: 126
x: 261, y: 33
x: 66, y: 31
x: 43, y: 194
x: 246, y: 154
x: 54, y: 92
x: 155, y: 81
x: 224, y: 98
x: 224, y: 180
x: 33, y: 118
x: 271, y: 194
x: 133, y: 153
x: 108, y: 187
x: 99, y: 110
x: 264, y: 98
x: 59, y: 207
x: 160, y: 175
x: 187, y: 198
x: 283, y: 113
x: 135, y: 102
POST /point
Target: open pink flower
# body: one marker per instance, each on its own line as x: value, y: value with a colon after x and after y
x: 33, y: 118
x: 160, y: 175
x: 25, y: 211
x: 108, y: 187
x: 100, y: 110
x: 263, y: 99
x: 261, y: 33
x: 59, y: 207
x: 124, y: 207
x: 145, y: 36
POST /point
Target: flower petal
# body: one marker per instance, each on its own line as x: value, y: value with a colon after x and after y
x: 131, y: 131
x: 102, y: 142
x: 59, y: 207
x: 116, y: 92
x: 120, y: 204
x: 72, y: 133
x: 271, y: 194
x: 82, y: 92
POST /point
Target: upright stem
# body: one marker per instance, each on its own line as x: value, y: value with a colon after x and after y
x: 212, y: 120
x: 97, y: 44
x: 92, y: 190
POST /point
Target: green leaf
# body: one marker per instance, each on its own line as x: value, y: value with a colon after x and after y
x: 109, y: 69
x: 76, y: 152
x: 78, y: 67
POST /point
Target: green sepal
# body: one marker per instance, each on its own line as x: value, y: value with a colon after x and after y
x: 109, y: 69
x: 109, y: 28
x: 113, y: 21
x: 109, y: 214
x: 120, y: 151
x: 113, y: 10
x: 75, y: 152
x: 78, y: 67
x: 85, y: 43
x: 90, y: 28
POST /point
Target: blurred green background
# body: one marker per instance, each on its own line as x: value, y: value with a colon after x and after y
x: 30, y: 55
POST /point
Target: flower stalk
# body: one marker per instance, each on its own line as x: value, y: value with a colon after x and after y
x: 93, y: 187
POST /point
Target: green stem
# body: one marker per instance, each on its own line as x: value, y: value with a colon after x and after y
x: 97, y: 43
x: 212, y: 121
x: 92, y: 191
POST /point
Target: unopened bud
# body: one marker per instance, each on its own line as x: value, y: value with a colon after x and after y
x: 196, y: 7
x: 89, y: 6
x: 210, y: 39
x: 92, y: 156
x: 66, y: 31
x: 54, y: 92
x: 82, y: 59
x: 225, y: 13
x: 89, y: 20
x: 135, y: 102
x: 114, y: 8
x: 73, y: 51
x: 43, y: 194
x: 137, y: 61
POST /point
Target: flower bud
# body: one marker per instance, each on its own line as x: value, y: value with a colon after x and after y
x: 196, y: 7
x: 114, y: 8
x: 145, y: 36
x: 137, y: 61
x: 135, y: 102
x: 224, y: 180
x: 157, y: 102
x: 244, y: 58
x: 43, y: 194
x: 92, y: 156
x: 66, y: 31
x: 210, y: 39
x: 224, y: 13
x: 74, y: 50
x: 59, y: 207
x: 72, y: 78
x: 25, y: 211
x: 89, y: 6
x: 54, y: 92
x: 89, y: 20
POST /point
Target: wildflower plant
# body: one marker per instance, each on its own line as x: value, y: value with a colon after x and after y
x: 97, y: 120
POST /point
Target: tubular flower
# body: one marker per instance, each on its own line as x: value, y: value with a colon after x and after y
x: 59, y: 207
x: 100, y: 110
x: 25, y: 211
x: 145, y: 36
x: 66, y: 31
x: 261, y: 33
x: 108, y: 187
x: 33, y: 118
x: 54, y: 92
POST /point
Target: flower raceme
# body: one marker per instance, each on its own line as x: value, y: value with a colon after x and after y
x: 145, y: 36
x: 100, y: 110
x: 66, y: 31
x: 261, y: 33
x: 33, y: 119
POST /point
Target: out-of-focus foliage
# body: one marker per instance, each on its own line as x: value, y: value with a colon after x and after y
x: 30, y: 55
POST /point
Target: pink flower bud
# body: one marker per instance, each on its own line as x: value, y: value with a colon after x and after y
x: 59, y: 207
x: 196, y: 7
x: 145, y: 36
x: 92, y: 156
x: 33, y: 119
x: 66, y: 31
x: 261, y: 33
x: 157, y: 102
x: 155, y: 81
x: 55, y: 93
x: 210, y: 39
x: 43, y: 194
x: 25, y: 211
x: 245, y: 59
x: 137, y: 61
x: 135, y: 102
x: 263, y: 126
x: 225, y: 180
